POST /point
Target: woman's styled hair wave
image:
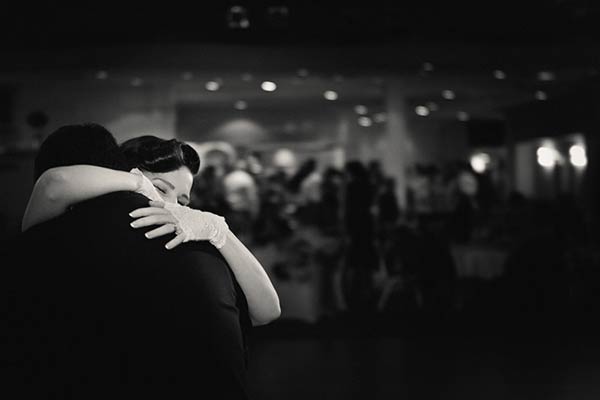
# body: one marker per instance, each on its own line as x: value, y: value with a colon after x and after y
x: 153, y: 154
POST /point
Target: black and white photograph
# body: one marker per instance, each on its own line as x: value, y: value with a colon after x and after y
x: 299, y: 200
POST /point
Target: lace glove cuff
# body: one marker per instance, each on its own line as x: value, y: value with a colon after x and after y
x: 145, y: 186
x: 198, y: 225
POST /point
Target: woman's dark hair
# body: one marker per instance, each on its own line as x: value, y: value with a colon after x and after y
x: 79, y: 144
x: 154, y: 154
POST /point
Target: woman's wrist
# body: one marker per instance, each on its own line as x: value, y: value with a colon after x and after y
x: 138, y: 182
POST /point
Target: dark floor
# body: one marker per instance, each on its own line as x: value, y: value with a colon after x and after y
x: 460, y: 357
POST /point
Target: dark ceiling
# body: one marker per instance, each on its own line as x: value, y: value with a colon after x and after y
x: 299, y: 22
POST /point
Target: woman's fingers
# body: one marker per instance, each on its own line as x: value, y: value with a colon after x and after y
x: 160, y: 219
x: 144, y: 212
x: 159, y: 204
x: 175, y: 242
x: 161, y: 231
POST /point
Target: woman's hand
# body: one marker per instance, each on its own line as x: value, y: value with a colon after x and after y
x: 199, y: 225
x: 156, y: 214
x: 145, y: 186
x: 187, y: 223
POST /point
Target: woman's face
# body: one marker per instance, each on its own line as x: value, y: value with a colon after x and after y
x: 174, y: 186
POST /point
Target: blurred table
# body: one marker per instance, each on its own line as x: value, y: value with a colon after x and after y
x: 478, y: 261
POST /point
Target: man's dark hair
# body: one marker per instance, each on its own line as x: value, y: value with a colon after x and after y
x: 154, y: 154
x: 88, y: 143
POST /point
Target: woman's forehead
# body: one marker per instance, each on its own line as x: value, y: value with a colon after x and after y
x: 181, y: 179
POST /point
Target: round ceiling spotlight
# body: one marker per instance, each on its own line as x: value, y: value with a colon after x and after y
x: 330, y: 95
x: 540, y: 95
x: 547, y: 156
x: 577, y: 156
x: 422, y: 111
x: 240, y: 105
x: 360, y: 109
x: 448, y: 94
x: 237, y: 18
x: 268, y: 86
x: 463, y: 116
x: 365, y: 121
x: 499, y: 74
x: 545, y: 76
x: 212, y: 86
x: 480, y: 162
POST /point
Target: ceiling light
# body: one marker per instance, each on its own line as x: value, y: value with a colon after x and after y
x: 212, y: 86
x: 577, y: 156
x: 480, y: 162
x: 545, y: 76
x: 499, y: 74
x: 547, y: 156
x: 541, y: 95
x: 330, y: 95
x: 422, y: 111
x: 237, y: 18
x: 448, y: 94
x: 360, y: 109
x: 462, y: 116
x: 427, y: 66
x: 240, y: 105
x: 365, y: 121
x: 268, y: 86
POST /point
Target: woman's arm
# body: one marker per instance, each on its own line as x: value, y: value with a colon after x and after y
x: 59, y: 187
x: 196, y: 225
x: 263, y: 302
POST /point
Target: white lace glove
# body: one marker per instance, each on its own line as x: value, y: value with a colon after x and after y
x: 199, y: 225
x: 145, y: 186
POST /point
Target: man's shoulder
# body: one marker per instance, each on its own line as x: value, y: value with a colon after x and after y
x: 105, y: 216
x: 111, y: 201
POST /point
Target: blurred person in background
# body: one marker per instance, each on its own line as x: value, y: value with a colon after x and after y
x: 465, y: 206
x: 388, y: 208
x: 241, y: 198
x: 331, y: 204
x: 208, y: 193
x: 305, y: 188
x: 361, y: 257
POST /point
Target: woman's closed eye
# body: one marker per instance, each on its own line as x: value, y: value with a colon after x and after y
x: 160, y: 190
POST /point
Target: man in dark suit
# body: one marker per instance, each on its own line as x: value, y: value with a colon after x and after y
x: 99, y: 311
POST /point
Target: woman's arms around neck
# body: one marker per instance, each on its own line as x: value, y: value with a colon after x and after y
x: 60, y: 187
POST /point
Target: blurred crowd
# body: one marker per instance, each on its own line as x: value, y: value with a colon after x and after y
x: 345, y: 228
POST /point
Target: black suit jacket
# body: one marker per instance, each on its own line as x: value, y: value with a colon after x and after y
x: 99, y: 311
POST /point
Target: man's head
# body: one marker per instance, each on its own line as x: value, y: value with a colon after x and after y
x: 90, y: 144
